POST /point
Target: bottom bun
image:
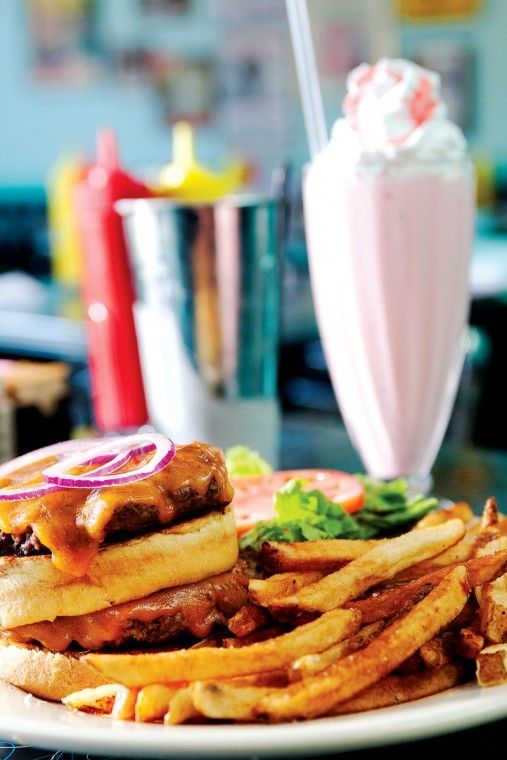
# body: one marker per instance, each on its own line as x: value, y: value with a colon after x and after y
x: 44, y: 674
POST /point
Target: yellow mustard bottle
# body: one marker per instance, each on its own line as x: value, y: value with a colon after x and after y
x: 65, y: 246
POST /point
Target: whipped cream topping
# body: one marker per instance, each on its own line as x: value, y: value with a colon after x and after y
x: 392, y: 109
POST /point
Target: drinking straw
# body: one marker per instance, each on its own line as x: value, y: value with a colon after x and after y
x: 306, y: 67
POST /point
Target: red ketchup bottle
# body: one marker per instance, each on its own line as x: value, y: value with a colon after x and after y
x: 115, y: 372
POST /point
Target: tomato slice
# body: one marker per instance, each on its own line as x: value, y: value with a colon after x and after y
x: 253, y: 494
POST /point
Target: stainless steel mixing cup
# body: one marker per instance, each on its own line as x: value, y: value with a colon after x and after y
x: 207, y: 281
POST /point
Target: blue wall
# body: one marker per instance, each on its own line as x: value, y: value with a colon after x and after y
x: 39, y: 123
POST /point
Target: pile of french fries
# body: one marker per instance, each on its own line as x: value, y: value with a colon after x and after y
x: 335, y: 627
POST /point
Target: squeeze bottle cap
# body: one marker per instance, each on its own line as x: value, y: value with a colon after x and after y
x: 186, y: 179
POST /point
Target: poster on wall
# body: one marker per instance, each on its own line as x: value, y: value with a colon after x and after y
x: 185, y: 86
x: 254, y: 68
x: 186, y: 89
x: 64, y: 40
x: 435, y: 10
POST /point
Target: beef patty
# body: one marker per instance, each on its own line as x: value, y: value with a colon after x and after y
x: 194, y: 483
x: 25, y: 545
x: 195, y: 609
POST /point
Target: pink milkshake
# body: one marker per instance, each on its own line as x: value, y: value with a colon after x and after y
x: 389, y: 212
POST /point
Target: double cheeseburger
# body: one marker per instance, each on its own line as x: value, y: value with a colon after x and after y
x: 115, y: 547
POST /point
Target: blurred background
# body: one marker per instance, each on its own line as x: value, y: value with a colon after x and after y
x: 69, y: 68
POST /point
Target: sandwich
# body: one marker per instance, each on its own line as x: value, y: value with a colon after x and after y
x: 123, y: 544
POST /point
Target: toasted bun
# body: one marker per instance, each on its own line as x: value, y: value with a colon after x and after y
x: 32, y: 589
x: 44, y: 674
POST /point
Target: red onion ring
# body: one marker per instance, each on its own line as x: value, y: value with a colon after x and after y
x: 14, y: 493
x: 164, y: 450
x: 109, y: 456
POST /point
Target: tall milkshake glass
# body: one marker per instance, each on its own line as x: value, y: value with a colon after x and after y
x: 389, y: 212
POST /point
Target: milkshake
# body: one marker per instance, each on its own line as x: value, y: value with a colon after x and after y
x: 389, y: 214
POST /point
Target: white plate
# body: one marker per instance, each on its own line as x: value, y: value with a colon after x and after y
x: 29, y: 721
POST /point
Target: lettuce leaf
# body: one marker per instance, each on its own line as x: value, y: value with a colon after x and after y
x: 240, y: 460
x: 388, y: 506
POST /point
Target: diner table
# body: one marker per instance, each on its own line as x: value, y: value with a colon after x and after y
x: 462, y: 472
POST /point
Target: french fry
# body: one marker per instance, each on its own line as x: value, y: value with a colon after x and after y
x: 226, y: 701
x: 349, y: 676
x: 124, y: 707
x: 247, y: 620
x: 97, y: 700
x: 325, y: 555
x: 387, y: 603
x: 486, y: 568
x: 488, y: 530
x: 459, y: 552
x: 377, y: 565
x: 282, y: 584
x: 309, y: 664
x: 469, y: 643
x: 393, y: 690
x: 492, y: 599
x: 492, y: 665
x: 206, y: 664
x: 437, y: 652
x: 490, y: 515
x: 391, y: 601
x: 493, y: 546
x: 181, y: 709
x: 153, y: 702
x: 461, y: 510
